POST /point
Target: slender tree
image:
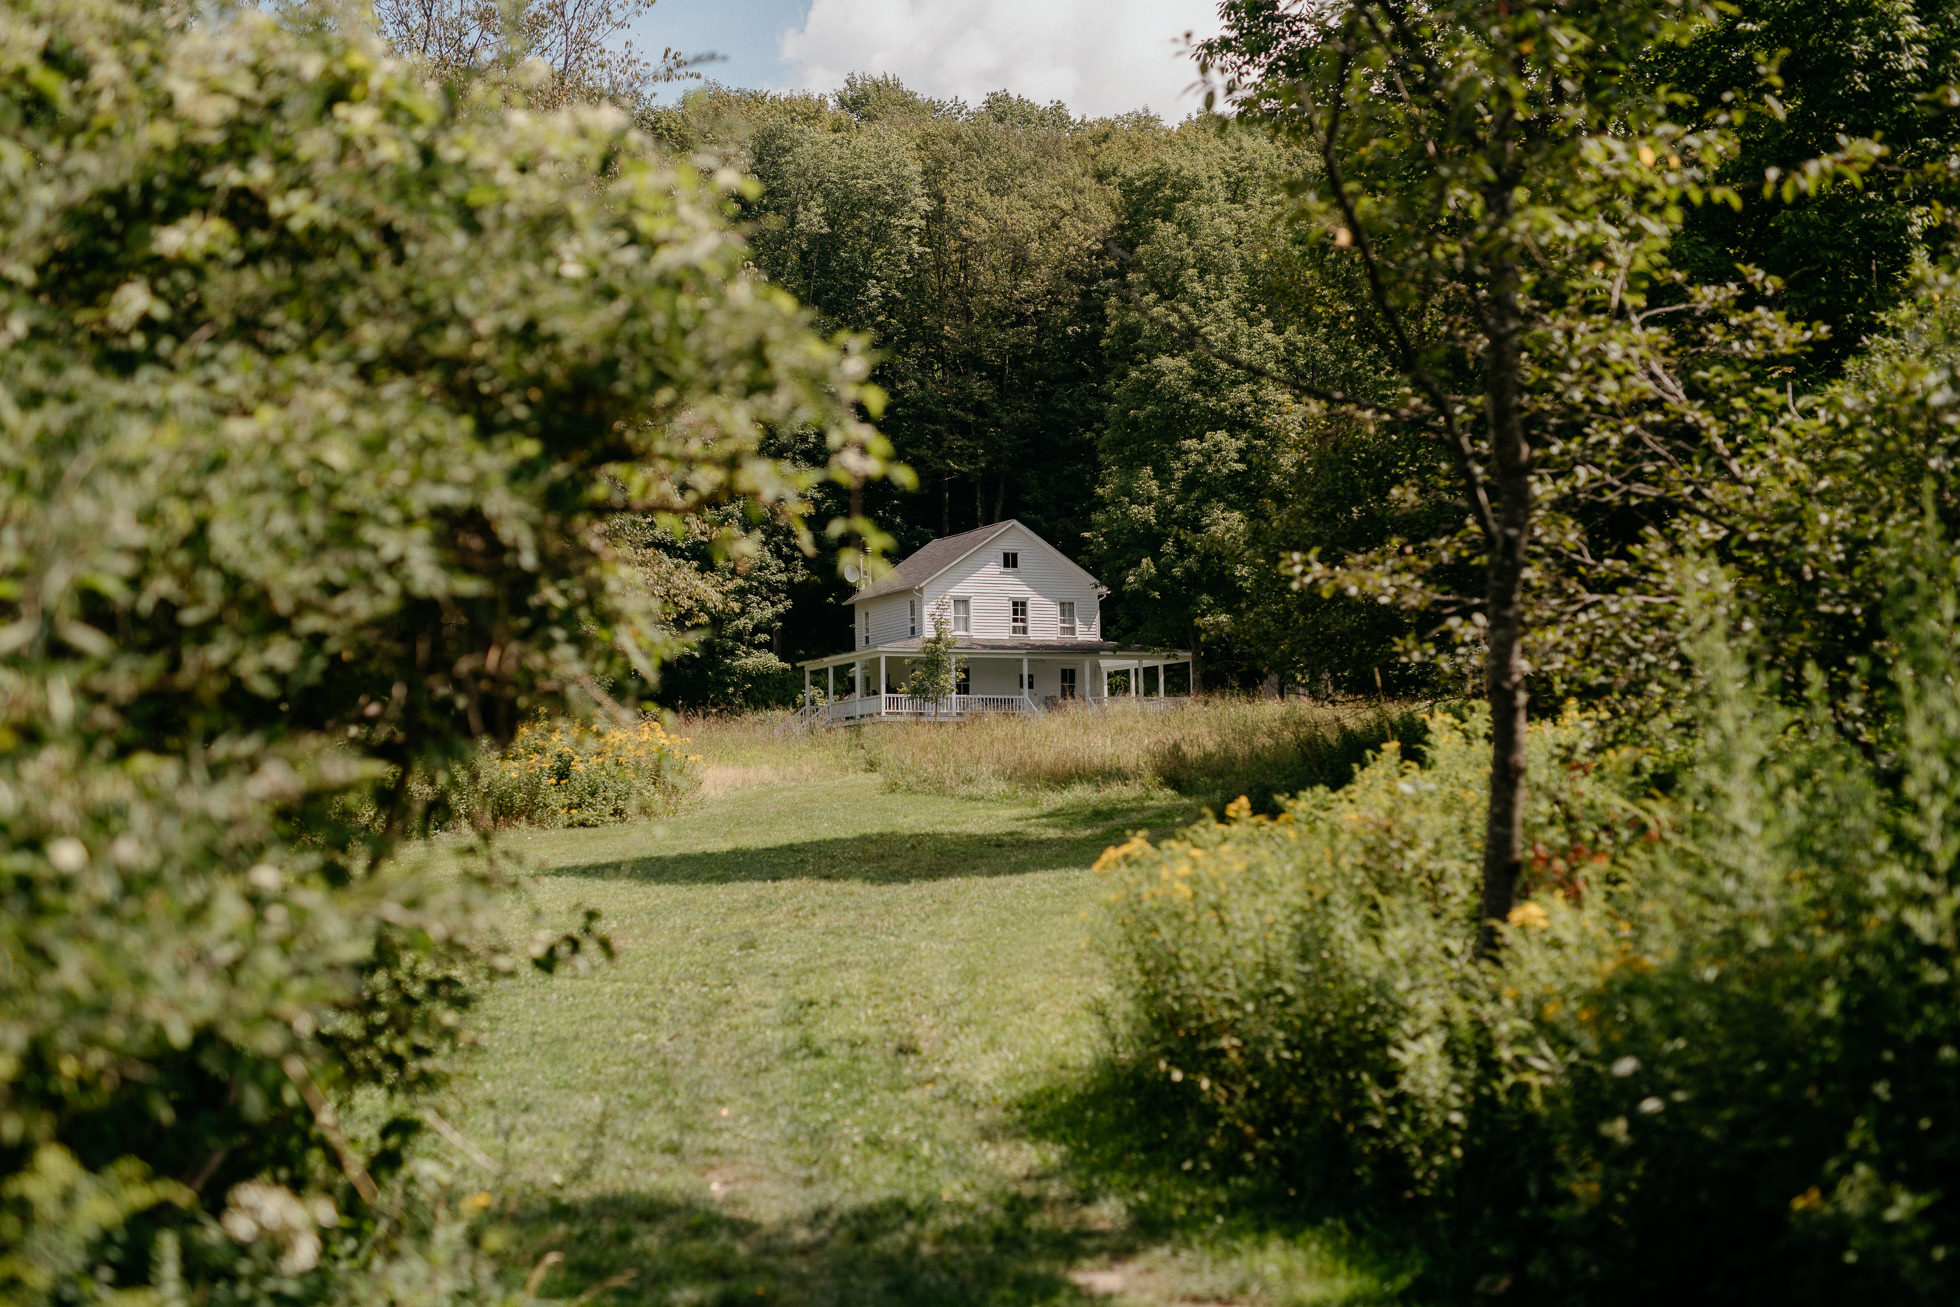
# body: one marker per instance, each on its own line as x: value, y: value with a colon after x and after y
x: 1507, y: 187
x: 937, y: 671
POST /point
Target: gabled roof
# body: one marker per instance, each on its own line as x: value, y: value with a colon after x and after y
x: 930, y: 559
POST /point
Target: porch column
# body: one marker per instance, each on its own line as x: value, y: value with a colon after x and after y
x: 1027, y: 689
x: 881, y: 685
x: 1085, y: 680
x: 830, y: 682
x: 806, y: 687
x: 1136, y: 679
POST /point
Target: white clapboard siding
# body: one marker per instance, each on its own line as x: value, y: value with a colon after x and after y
x: 1044, y: 579
x: 890, y: 621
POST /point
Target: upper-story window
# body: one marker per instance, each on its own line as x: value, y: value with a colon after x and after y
x: 1020, y: 617
x: 864, y: 624
x: 1010, y: 560
x: 911, y: 617
x: 1068, y: 617
x: 962, y: 616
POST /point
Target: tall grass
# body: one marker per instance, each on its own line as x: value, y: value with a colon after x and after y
x: 1214, y: 749
x: 743, y: 750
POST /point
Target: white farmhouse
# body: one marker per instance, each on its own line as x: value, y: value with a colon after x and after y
x: 1029, y: 627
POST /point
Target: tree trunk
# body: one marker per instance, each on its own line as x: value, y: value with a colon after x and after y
x: 1511, y: 508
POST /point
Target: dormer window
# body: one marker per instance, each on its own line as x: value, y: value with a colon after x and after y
x: 1068, y: 617
x: 1020, y: 615
x: 1010, y: 561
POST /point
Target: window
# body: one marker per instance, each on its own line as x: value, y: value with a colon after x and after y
x: 1068, y: 620
x: 964, y: 683
x: 962, y: 616
x: 911, y: 617
x: 864, y: 622
x: 1010, y: 561
x: 1068, y: 679
x: 1020, y: 617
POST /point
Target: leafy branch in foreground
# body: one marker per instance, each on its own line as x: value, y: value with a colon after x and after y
x: 321, y: 388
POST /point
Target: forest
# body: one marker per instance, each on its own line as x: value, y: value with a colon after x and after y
x: 1099, y: 326
x: 431, y: 430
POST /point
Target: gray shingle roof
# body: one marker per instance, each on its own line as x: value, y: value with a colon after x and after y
x: 931, y: 559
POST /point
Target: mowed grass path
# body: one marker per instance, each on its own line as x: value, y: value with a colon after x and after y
x: 803, y: 1077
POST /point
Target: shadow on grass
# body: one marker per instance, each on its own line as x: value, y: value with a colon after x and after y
x: 1128, y: 1136
x: 879, y: 1254
x: 903, y: 857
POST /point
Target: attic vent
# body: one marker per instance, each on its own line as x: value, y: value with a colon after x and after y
x: 1010, y: 561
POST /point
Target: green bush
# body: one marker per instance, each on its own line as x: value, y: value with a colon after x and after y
x: 1717, y: 1058
x: 1308, y: 983
x: 322, y: 385
x: 1749, y: 1050
x: 570, y: 773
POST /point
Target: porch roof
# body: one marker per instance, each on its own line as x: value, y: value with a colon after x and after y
x: 1106, y: 650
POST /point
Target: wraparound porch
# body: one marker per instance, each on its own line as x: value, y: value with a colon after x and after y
x: 868, y: 684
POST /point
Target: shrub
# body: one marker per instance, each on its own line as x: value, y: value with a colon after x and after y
x: 570, y: 773
x: 1724, y: 1025
x: 1748, y: 1052
x: 1309, y: 983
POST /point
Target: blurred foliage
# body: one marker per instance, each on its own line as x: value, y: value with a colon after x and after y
x: 322, y: 385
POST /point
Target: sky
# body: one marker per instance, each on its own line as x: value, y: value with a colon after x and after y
x: 1100, y: 57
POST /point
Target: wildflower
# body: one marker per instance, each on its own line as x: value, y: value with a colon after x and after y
x: 1528, y: 915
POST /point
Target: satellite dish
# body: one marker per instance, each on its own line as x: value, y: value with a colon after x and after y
x: 852, y: 574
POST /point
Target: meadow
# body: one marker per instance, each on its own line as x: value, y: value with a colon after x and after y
x: 846, y: 1054
x: 1214, y: 751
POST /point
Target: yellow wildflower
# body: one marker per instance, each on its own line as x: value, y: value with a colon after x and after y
x: 1529, y: 914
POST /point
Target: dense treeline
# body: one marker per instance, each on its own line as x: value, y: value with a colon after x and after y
x: 1092, y: 324
x: 1008, y: 262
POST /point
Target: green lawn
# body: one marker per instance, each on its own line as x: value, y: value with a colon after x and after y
x: 806, y: 1078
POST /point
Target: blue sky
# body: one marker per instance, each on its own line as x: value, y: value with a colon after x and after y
x: 1098, y: 56
x: 745, y: 31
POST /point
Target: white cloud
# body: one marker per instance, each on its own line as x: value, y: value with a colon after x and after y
x: 1099, y: 57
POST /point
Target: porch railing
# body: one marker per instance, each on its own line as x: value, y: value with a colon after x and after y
x: 954, y: 707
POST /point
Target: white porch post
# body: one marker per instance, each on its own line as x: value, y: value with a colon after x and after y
x: 1136, y: 679
x: 1085, y: 680
x: 830, y: 682
x: 1027, y: 689
x: 881, y: 685
x: 806, y: 687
